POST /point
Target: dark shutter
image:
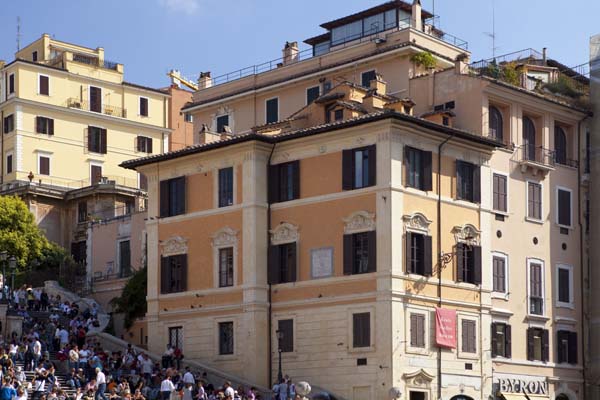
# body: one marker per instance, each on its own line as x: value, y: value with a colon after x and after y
x: 372, y: 165
x: 545, y: 345
x: 274, y: 267
x: 293, y: 249
x: 181, y: 195
x: 459, y: 180
x: 408, y: 250
x: 572, y: 336
x: 459, y: 262
x: 90, y: 138
x: 143, y: 106
x: 39, y: 126
x: 372, y: 238
x: 273, y: 183
x: 348, y: 254
x: 560, y: 337
x: 149, y: 145
x: 183, y: 273
x: 164, y: 275
x: 296, y: 179
x: 44, y: 86
x: 476, y: 184
x: 427, y: 171
x: 494, y: 339
x: 44, y: 166
x: 164, y: 198
x: 427, y: 259
x: 476, y: 252
x: 95, y: 99
x: 103, y: 141
x: 465, y: 336
x: 414, y: 333
x: 508, y: 343
x: 347, y: 170
x: 530, y: 344
x: 50, y: 126
x: 564, y: 208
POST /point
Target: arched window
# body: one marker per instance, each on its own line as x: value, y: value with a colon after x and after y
x: 462, y: 397
x: 562, y: 396
x: 528, y: 139
x: 496, y: 124
x: 560, y: 145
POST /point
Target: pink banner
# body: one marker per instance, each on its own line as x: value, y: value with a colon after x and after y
x: 445, y: 327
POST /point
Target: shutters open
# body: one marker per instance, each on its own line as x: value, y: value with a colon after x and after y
x: 347, y: 170
x: 427, y: 171
x: 427, y: 256
x: 372, y: 238
x: 348, y: 255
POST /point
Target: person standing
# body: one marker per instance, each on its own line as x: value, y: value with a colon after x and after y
x: 7, y: 392
x: 100, y: 384
x: 166, y: 387
x: 188, y: 377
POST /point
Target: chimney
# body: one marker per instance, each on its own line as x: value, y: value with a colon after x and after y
x: 290, y: 53
x: 204, y: 81
x: 417, y: 19
x: 461, y: 66
x: 544, y: 56
x: 378, y: 85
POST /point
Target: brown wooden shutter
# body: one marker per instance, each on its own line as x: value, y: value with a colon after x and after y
x: 564, y: 208
x: 560, y: 336
x: 427, y: 171
x: 545, y: 345
x: 408, y: 251
x: 348, y: 254
x: 494, y: 336
x: 372, y: 239
x: 149, y: 145
x: 164, y: 275
x: 44, y: 85
x: 164, y: 199
x: 459, y: 262
x: 90, y: 134
x: 44, y: 166
x: 421, y: 330
x: 427, y: 253
x: 143, y: 106
x: 137, y: 143
x: 476, y: 252
x: 183, y: 273
x: 296, y: 179
x: 347, y: 170
x: 372, y: 165
x: 181, y: 195
x: 413, y: 330
x: 50, y: 126
x: 293, y: 272
x: 273, y: 265
x: 38, y: 125
x: 273, y: 176
x: 476, y: 184
x: 572, y: 337
x: 103, y: 141
x: 464, y: 336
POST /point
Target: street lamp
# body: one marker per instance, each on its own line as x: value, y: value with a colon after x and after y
x: 12, y: 264
x: 279, y: 339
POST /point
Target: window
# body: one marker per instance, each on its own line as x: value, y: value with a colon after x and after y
x: 34, y: 56
x: 417, y: 395
x: 44, y: 125
x: 529, y: 150
x: 95, y: 99
x: 418, y: 254
x: 417, y: 330
x: 536, y: 292
x: 226, y: 267
x: 97, y: 139
x: 500, y: 192
x: 43, y: 165
x: 534, y: 200
x: 469, y: 336
x: 173, y: 274
x: 187, y: 117
x: 360, y: 253
x: 44, y: 85
x: 143, y: 106
x: 367, y: 77
x: 222, y: 122
x: 9, y: 123
x: 143, y: 181
x: 82, y: 211
x: 538, y: 348
x: 176, y: 337
x: 285, y: 328
x: 79, y: 252
x: 501, y: 340
x: 468, y: 260
x: 563, y: 197
x: 282, y: 263
x: 338, y: 115
x: 566, y: 350
x: 143, y: 144
x: 226, y: 187
x: 272, y: 107
x: 284, y: 182
x: 564, y: 280
x: 361, y: 330
x: 225, y: 338
x: 9, y: 163
x: 418, y: 168
x: 95, y: 174
x: 560, y: 145
x: 312, y: 94
x: 358, y: 168
x: 467, y: 182
x: 172, y: 197
x: 499, y: 274
x: 124, y: 258
x: 11, y: 83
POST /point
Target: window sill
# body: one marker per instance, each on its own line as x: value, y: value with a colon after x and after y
x: 539, y: 318
x: 569, y: 227
x: 569, y: 306
x: 422, y: 351
x: 535, y: 221
x: 357, y: 350
x: 468, y: 356
x: 500, y: 296
x: 226, y: 357
x: 503, y: 213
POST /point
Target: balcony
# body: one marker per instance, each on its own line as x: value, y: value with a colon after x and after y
x: 535, y: 158
x: 106, y: 109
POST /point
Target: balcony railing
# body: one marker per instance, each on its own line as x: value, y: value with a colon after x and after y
x: 74, y: 102
x: 537, y: 154
x: 94, y: 61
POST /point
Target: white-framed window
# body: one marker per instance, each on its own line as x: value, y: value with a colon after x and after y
x: 95, y: 172
x: 361, y: 329
x: 43, y: 86
x: 417, y: 330
x: 499, y: 275
x: 564, y: 286
x: 225, y: 182
x: 144, y: 106
x: 43, y: 163
x: 225, y: 253
x: 535, y: 209
x: 222, y: 123
x: 11, y: 84
x: 188, y: 117
x: 535, y: 287
x: 564, y: 207
x: 500, y: 192
x: 225, y: 338
x: 468, y: 328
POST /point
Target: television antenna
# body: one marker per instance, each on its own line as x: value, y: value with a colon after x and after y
x: 492, y: 35
x: 19, y: 33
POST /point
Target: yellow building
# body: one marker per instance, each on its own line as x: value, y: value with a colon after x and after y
x: 382, y: 213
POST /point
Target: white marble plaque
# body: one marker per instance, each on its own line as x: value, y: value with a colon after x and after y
x: 321, y: 262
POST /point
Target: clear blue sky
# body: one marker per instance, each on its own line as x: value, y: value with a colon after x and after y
x: 152, y: 36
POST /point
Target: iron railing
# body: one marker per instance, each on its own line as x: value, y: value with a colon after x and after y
x: 536, y: 154
x: 94, y: 61
x: 107, y: 109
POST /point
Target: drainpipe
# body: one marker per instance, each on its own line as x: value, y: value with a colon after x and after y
x: 270, y: 324
x: 439, y: 252
x: 582, y: 291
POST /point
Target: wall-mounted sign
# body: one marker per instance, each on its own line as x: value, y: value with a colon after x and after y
x: 321, y: 262
x: 445, y: 328
x: 522, y: 385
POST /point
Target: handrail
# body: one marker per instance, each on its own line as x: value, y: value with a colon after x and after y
x: 74, y: 102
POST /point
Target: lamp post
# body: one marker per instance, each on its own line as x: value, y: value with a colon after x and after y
x: 3, y: 257
x: 12, y: 264
x: 279, y: 338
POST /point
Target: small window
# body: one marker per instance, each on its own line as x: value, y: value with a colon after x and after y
x: 496, y: 124
x: 360, y: 253
x: 534, y: 200
x: 536, y: 291
x: 34, y: 56
x: 143, y: 106
x: 312, y: 94
x: 11, y: 83
x: 272, y: 110
x: 560, y: 145
x: 222, y: 122
x: 284, y: 182
x: 468, y: 182
x: 176, y: 337
x: 417, y: 330
x: 172, y: 197
x: 500, y: 193
x: 97, y: 138
x: 9, y: 164
x: 445, y: 121
x: 226, y: 267
x: 564, y: 207
x: 44, y: 165
x: 187, y: 117
x: 282, y: 263
x: 418, y: 168
x: 226, y: 187
x: 418, y: 254
x: 361, y: 330
x: 9, y: 123
x: 367, y: 77
x: 44, y: 85
x: 82, y: 213
x: 564, y: 279
x: 499, y: 274
x: 95, y: 174
x: 538, y: 348
x: 44, y: 125
x: 469, y: 336
x: 566, y: 350
x: 144, y: 144
x: 225, y: 338
x: 173, y: 274
x: 468, y: 260
x: 358, y: 168
x: 338, y: 115
x: 285, y: 330
x: 501, y: 340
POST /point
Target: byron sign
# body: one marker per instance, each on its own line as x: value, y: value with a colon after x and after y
x: 522, y: 385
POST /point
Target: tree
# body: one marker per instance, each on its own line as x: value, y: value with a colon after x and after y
x: 132, y: 301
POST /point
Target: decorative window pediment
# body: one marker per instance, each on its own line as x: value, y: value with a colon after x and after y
x: 174, y: 246
x: 467, y: 234
x: 359, y: 221
x: 416, y: 222
x: 418, y: 378
x: 224, y: 237
x: 284, y: 233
